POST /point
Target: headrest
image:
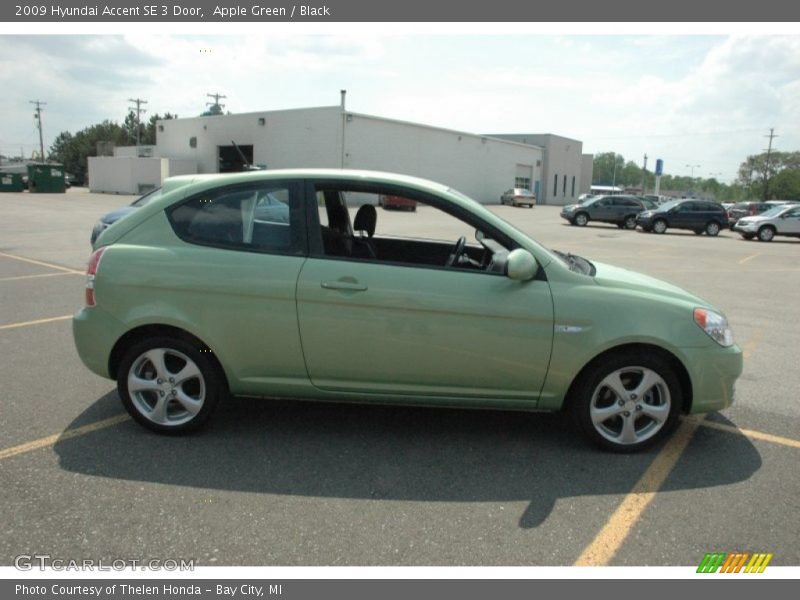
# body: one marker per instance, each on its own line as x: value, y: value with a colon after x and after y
x: 366, y: 219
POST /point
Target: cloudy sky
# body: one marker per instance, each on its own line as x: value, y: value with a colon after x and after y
x: 690, y: 100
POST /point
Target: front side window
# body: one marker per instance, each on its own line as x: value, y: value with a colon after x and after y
x: 261, y: 218
x: 363, y: 225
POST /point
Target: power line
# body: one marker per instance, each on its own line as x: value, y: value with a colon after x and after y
x: 139, y: 109
x: 771, y: 135
x: 38, y: 117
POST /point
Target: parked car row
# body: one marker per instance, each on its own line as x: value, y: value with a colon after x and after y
x: 762, y: 220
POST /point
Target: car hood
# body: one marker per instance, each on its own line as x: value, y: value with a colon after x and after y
x: 116, y: 215
x: 617, y: 277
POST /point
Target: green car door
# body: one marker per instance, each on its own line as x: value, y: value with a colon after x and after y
x: 368, y: 327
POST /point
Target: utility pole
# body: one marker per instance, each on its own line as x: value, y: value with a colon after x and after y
x: 38, y: 117
x: 138, y: 102
x: 216, y: 98
x: 644, y: 173
x: 766, y: 169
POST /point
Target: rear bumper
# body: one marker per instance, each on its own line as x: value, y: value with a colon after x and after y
x: 95, y: 332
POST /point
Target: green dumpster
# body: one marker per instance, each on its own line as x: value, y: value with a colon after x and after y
x: 11, y: 182
x: 46, y: 179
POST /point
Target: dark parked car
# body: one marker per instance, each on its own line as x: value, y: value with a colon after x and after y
x: 746, y: 209
x: 115, y: 215
x: 697, y: 215
x: 619, y: 209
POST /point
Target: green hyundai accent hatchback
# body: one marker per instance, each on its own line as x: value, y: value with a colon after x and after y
x: 285, y: 284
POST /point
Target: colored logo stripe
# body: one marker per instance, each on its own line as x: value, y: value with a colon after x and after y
x: 734, y: 562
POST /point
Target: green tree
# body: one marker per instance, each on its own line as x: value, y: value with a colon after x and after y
x: 606, y: 168
x: 73, y: 150
x: 786, y: 185
x: 756, y: 172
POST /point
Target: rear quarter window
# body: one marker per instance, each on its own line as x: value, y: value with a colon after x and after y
x: 261, y: 218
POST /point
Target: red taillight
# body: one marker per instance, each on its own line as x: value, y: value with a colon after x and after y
x: 91, y: 271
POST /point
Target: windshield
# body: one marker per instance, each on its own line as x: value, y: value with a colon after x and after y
x: 670, y: 204
x: 774, y: 212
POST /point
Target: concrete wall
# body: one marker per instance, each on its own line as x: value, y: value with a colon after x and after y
x: 130, y: 175
x: 563, y: 157
x: 135, y: 151
x: 479, y: 166
x: 287, y: 138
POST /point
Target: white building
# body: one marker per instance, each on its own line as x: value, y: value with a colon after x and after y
x: 481, y: 166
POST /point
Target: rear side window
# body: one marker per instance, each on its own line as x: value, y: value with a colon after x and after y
x: 263, y: 218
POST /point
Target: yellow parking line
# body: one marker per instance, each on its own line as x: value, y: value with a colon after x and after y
x: 756, y: 435
x: 51, y: 440
x: 40, y: 263
x: 616, y: 530
x: 749, y: 258
x: 750, y: 345
x: 18, y: 277
x: 37, y: 322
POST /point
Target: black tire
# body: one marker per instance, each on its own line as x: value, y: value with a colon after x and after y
x: 748, y: 236
x: 581, y: 219
x: 698, y: 231
x: 202, y: 392
x: 620, y: 225
x: 659, y: 226
x: 712, y: 228
x: 589, y: 394
x: 766, y: 233
x: 629, y: 222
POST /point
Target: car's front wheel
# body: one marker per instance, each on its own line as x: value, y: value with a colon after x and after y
x: 168, y: 385
x: 766, y: 233
x: 630, y: 222
x: 581, y: 219
x: 659, y: 225
x: 627, y: 402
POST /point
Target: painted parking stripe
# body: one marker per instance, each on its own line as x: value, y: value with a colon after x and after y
x: 41, y: 264
x: 36, y: 322
x: 18, y: 277
x: 616, y: 530
x: 756, y: 435
x: 749, y: 258
x: 51, y: 440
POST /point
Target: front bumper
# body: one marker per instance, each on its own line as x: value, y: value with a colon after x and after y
x: 746, y: 227
x: 713, y: 372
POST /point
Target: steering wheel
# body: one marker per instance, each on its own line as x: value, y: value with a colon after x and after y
x: 458, y: 250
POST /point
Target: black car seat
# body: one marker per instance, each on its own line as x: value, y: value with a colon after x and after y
x: 364, y: 225
x: 336, y: 238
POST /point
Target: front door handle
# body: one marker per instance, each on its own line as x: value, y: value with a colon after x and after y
x: 348, y: 286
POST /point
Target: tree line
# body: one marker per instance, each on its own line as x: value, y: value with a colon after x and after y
x: 758, y: 178
x: 73, y: 150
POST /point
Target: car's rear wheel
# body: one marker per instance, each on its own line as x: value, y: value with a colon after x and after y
x: 581, y: 219
x: 659, y: 225
x: 712, y: 228
x: 627, y: 402
x: 630, y: 222
x: 168, y: 385
x: 766, y: 233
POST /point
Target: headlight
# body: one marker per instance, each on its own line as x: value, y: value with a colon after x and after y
x: 715, y: 325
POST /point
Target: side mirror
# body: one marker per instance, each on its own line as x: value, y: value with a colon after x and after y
x: 521, y: 265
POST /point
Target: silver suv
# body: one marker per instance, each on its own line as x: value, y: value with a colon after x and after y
x: 781, y: 220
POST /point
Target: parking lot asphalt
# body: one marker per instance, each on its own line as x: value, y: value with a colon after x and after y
x: 294, y: 483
